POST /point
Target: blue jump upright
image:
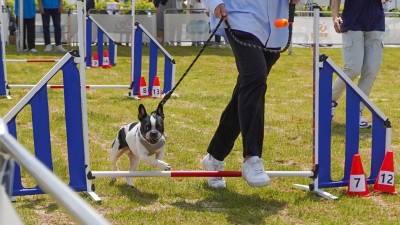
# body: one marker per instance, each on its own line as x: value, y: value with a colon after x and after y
x: 38, y: 100
x: 354, y: 96
x: 101, y: 32
x: 3, y: 82
x: 155, y: 47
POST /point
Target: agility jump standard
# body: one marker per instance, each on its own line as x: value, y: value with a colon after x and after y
x: 75, y: 121
x: 322, y: 122
x: 37, y: 99
x: 139, y: 31
x: 112, y: 48
x: 320, y: 174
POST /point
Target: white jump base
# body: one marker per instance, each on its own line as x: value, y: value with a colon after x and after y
x: 99, y: 174
x: 29, y: 86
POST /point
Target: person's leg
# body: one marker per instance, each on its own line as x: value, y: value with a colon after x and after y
x: 373, y: 51
x: 46, y: 26
x: 160, y: 23
x: 253, y: 65
x: 56, y: 17
x: 25, y: 34
x: 245, y: 111
x: 227, y: 131
x: 160, y: 35
x: 217, y: 38
x: 353, y: 51
x: 30, y: 25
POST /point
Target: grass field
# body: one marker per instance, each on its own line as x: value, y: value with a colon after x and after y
x: 191, y: 118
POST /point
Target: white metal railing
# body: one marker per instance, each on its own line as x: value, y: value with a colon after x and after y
x: 79, y: 209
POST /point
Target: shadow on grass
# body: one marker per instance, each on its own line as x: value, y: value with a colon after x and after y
x: 239, y: 208
x: 135, y: 195
x: 38, y: 202
x: 339, y: 129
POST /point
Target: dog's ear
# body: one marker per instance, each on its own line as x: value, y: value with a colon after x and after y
x: 160, y: 110
x: 142, y: 112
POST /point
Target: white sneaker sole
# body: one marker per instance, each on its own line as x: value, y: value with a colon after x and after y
x: 259, y: 184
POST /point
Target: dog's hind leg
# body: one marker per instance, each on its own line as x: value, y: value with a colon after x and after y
x: 114, y: 156
x: 133, y: 165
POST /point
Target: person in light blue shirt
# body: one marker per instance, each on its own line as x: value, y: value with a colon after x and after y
x: 252, y: 23
x: 53, y: 9
x: 29, y: 13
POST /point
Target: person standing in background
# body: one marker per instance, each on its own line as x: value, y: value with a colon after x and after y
x: 196, y: 6
x: 161, y: 6
x: 90, y: 4
x: 29, y: 14
x: 53, y: 9
x: 362, y: 26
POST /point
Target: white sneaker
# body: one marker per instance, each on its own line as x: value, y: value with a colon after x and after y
x: 48, y: 48
x: 33, y: 50
x: 253, y: 172
x: 363, y: 123
x: 60, y: 48
x: 211, y: 164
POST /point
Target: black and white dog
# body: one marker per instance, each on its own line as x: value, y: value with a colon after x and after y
x: 140, y: 140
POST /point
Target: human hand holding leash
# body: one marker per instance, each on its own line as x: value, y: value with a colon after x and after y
x: 220, y: 12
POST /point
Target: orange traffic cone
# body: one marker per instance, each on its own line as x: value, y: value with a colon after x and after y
x: 143, y: 91
x: 385, y: 180
x: 156, y: 92
x: 95, y: 60
x: 106, y: 60
x: 358, y: 182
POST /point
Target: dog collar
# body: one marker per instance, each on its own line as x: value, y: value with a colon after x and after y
x: 152, y: 147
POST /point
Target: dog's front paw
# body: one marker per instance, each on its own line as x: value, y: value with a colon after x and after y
x: 165, y: 166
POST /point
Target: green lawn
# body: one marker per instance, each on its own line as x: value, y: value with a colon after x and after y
x: 191, y: 118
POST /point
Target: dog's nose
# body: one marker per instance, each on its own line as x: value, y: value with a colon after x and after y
x: 153, y: 133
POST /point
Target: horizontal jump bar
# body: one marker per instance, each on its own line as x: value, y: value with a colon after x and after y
x: 32, y: 60
x: 96, y: 174
x: 62, y: 86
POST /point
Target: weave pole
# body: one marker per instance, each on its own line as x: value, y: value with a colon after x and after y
x: 183, y: 173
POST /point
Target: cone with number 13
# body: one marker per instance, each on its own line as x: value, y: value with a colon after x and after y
x: 156, y: 92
